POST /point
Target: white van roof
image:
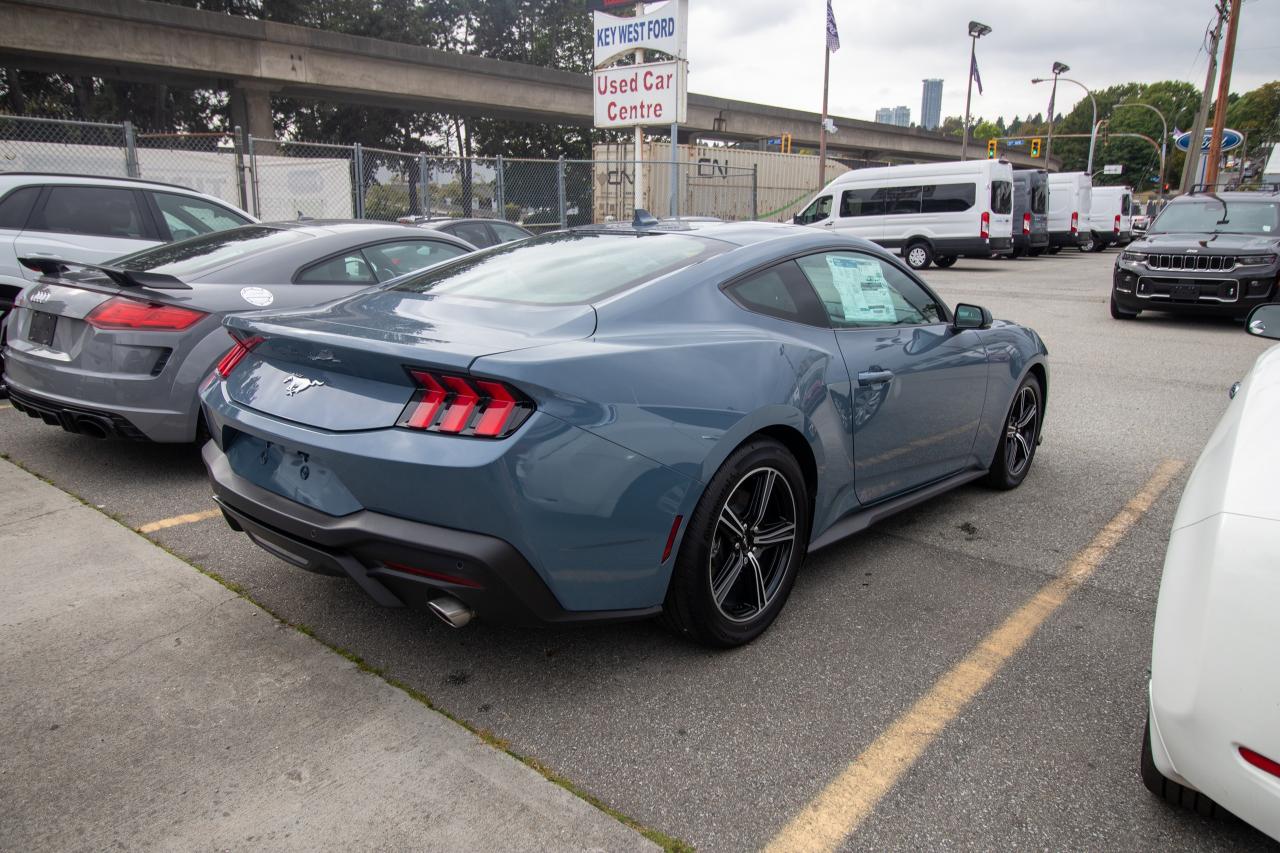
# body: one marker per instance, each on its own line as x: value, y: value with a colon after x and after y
x: 921, y: 170
x: 1112, y: 190
x: 1077, y: 178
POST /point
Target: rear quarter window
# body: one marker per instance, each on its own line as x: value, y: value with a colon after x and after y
x: 16, y: 207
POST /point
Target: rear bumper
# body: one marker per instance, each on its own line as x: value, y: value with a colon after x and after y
x: 1214, y: 686
x: 395, y: 561
x: 72, y: 418
x: 1031, y: 241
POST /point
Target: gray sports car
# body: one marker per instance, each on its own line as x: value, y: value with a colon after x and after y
x: 120, y: 349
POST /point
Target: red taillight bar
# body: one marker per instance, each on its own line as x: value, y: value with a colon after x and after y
x: 1115, y: 229
x: 984, y: 230
x: 1026, y: 223
x: 120, y: 313
x: 460, y: 405
x: 236, y: 354
x: 1075, y: 223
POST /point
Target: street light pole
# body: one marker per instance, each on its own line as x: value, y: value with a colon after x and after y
x: 1164, y: 137
x: 1093, y: 137
x: 976, y: 31
x: 1058, y: 68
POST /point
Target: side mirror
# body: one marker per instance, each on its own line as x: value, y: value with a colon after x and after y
x: 795, y: 220
x: 971, y: 317
x: 1264, y: 321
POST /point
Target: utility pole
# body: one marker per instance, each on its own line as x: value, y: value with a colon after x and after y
x: 1192, y: 164
x: 1220, y: 113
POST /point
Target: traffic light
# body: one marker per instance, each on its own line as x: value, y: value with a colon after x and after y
x: 1035, y: 147
x: 991, y: 149
x: 785, y: 147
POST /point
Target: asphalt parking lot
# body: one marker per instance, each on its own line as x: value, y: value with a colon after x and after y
x: 724, y: 749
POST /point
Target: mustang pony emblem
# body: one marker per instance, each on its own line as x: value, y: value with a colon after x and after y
x: 298, y: 384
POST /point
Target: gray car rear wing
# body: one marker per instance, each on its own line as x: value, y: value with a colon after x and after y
x: 123, y: 278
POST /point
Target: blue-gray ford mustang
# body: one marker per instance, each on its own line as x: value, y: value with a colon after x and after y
x: 614, y: 422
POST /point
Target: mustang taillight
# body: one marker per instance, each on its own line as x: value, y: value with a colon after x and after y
x: 1115, y: 229
x: 121, y: 313
x: 461, y: 405
x: 236, y: 354
x: 1075, y: 223
x: 985, y: 230
x: 1026, y: 223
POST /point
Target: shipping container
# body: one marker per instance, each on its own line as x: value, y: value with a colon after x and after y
x: 729, y: 183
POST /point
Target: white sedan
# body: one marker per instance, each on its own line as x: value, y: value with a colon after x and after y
x: 1213, y: 737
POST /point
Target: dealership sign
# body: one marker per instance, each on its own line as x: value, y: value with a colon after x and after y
x: 629, y: 95
x: 1230, y: 139
x: 665, y: 30
x: 648, y: 93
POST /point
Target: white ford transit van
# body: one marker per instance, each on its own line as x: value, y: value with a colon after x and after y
x: 933, y: 212
x: 1070, y: 199
x: 1110, y: 218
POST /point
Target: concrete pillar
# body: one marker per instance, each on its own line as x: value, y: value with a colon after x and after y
x: 251, y: 110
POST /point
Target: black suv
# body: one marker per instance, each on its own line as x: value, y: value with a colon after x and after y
x: 1206, y: 253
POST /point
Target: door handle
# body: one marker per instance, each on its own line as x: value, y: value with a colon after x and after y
x: 874, y: 377
x: 827, y: 224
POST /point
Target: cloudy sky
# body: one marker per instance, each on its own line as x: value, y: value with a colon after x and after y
x: 770, y: 51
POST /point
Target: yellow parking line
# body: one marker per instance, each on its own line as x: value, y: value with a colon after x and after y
x: 189, y: 518
x: 848, y: 799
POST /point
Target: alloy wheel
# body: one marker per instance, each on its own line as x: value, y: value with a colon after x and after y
x: 752, y: 544
x: 1020, y: 431
x: 916, y: 258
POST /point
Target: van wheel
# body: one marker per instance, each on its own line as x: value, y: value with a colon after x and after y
x: 1053, y: 250
x: 918, y: 256
x: 1088, y: 245
x: 947, y: 261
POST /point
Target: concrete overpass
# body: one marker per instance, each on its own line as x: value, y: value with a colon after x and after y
x: 146, y: 41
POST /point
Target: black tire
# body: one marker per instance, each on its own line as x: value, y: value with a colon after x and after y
x: 1118, y: 313
x: 1036, y: 252
x: 1088, y: 244
x: 1014, y: 455
x: 733, y: 615
x: 918, y: 255
x: 944, y: 262
x: 1053, y: 250
x: 1170, y: 791
x: 1017, y: 252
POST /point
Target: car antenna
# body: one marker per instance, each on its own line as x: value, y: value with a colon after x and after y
x: 643, y: 219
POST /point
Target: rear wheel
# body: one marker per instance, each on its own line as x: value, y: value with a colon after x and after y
x: 1169, y: 790
x: 947, y: 261
x: 1036, y: 252
x: 1053, y: 250
x: 1017, y: 446
x: 918, y: 256
x: 1088, y: 244
x: 1118, y: 313
x: 744, y: 544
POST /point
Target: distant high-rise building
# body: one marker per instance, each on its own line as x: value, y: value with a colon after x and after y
x: 901, y: 116
x: 931, y: 104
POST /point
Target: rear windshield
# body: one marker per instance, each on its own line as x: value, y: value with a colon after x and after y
x: 194, y: 257
x: 1001, y: 197
x: 1039, y: 198
x: 1212, y: 216
x: 565, y: 269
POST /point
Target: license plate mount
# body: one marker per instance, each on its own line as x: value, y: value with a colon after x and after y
x: 1186, y: 292
x: 42, y: 328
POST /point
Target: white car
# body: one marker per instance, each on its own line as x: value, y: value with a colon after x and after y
x: 1213, y: 736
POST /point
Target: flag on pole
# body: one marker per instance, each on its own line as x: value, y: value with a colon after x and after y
x: 833, y: 35
x: 973, y: 71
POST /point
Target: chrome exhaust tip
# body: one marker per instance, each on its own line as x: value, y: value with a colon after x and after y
x: 451, y: 611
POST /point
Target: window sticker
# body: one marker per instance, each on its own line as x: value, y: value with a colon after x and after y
x: 864, y: 293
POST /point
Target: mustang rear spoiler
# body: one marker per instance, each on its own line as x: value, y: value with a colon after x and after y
x: 123, y: 278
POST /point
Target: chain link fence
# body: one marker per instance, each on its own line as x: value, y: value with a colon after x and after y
x: 288, y: 179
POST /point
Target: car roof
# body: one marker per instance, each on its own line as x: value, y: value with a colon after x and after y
x: 736, y: 233
x: 13, y: 179
x: 1230, y: 197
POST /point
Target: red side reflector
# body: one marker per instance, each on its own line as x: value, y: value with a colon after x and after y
x: 119, y: 312
x: 424, y: 412
x: 985, y: 231
x: 236, y: 354
x: 1260, y: 761
x: 464, y: 403
x: 1026, y: 223
x: 671, y: 538
x: 435, y: 576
